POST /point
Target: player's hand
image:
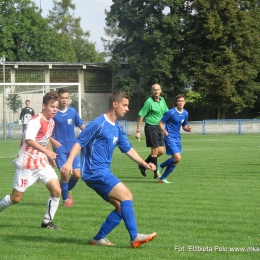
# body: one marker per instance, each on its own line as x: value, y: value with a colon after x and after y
x: 56, y: 144
x: 150, y: 166
x: 51, y: 155
x: 188, y: 128
x: 165, y: 133
x: 138, y: 136
x: 52, y: 162
x: 20, y: 123
x: 66, y: 168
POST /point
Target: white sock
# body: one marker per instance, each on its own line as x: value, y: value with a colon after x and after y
x: 5, y: 202
x: 52, y: 207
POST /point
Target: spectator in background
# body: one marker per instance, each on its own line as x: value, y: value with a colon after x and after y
x: 26, y: 114
x: 153, y: 111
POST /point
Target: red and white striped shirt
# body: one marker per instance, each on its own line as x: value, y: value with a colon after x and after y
x: 40, y: 130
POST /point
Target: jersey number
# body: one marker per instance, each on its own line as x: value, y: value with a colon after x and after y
x: 23, y: 182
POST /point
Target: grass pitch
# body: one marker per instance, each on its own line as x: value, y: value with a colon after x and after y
x: 209, y: 211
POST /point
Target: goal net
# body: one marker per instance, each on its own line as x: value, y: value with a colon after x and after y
x: 14, y: 95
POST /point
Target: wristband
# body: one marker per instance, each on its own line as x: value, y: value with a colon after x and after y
x: 137, y: 131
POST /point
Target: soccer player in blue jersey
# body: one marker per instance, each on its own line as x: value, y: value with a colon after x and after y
x: 62, y: 140
x: 97, y: 143
x: 170, y: 125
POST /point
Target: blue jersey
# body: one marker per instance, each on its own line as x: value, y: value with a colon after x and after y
x: 65, y: 121
x: 98, y: 141
x: 174, y: 120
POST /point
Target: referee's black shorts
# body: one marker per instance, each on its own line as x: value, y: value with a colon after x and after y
x: 154, y: 136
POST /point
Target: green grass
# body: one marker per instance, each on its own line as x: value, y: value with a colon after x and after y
x: 213, y: 201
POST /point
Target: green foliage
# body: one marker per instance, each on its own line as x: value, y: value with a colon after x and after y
x: 26, y: 35
x: 193, y: 97
x: 14, y: 102
x: 125, y: 83
x: 64, y: 23
x: 213, y: 45
x: 150, y: 38
x: 222, y: 50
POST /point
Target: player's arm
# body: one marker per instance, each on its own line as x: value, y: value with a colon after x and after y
x: 51, y: 162
x: 132, y: 154
x: 138, y: 129
x: 34, y: 144
x: 21, y: 117
x: 67, y: 167
x: 161, y: 126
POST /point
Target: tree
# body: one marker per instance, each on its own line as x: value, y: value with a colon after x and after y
x: 27, y: 36
x: 14, y: 102
x: 222, y: 50
x: 65, y: 24
x: 213, y: 45
x: 149, y: 39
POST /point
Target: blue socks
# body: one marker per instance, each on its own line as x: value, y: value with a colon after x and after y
x: 72, y: 183
x: 66, y: 187
x: 170, y: 161
x: 170, y: 167
x: 128, y: 216
x: 113, y: 219
x: 64, y: 190
x: 168, y: 171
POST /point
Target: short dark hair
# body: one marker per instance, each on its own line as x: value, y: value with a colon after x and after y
x: 179, y: 96
x: 63, y: 90
x: 118, y: 96
x: 50, y: 96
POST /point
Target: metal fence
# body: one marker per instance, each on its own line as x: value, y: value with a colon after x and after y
x: 228, y: 126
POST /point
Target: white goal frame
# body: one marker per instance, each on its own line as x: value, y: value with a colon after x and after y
x: 45, y: 87
x: 45, y: 90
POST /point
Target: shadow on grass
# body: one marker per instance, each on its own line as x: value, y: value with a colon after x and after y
x: 45, y: 239
x: 48, y: 238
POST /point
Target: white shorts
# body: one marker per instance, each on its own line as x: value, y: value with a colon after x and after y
x: 24, y: 178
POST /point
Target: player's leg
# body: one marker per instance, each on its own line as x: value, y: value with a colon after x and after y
x: 112, y: 221
x: 157, y: 145
x: 23, y: 179
x: 64, y: 180
x: 148, y: 144
x: 103, y: 188
x: 122, y: 194
x: 73, y: 180
x: 11, y: 199
x: 171, y: 163
x: 50, y: 179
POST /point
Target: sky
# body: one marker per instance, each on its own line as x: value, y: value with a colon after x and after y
x: 92, y: 14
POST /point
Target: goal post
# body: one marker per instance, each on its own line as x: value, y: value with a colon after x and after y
x: 34, y: 92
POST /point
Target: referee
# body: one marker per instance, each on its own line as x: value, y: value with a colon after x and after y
x: 153, y: 111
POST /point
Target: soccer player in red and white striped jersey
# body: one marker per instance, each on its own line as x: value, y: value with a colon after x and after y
x: 35, y: 160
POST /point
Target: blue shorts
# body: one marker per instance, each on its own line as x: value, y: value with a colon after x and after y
x: 172, y: 147
x: 102, y: 184
x: 62, y: 158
